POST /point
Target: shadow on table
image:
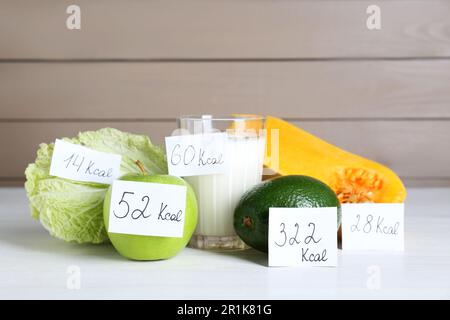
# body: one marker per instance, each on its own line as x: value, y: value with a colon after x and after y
x: 250, y: 255
x: 36, y: 239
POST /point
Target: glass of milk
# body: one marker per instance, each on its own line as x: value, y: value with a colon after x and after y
x: 218, y: 194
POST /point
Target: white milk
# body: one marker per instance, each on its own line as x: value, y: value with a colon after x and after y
x: 219, y: 194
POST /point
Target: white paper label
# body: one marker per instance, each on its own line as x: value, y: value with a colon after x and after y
x: 303, y: 236
x: 75, y: 162
x: 148, y: 209
x: 373, y: 226
x: 197, y: 154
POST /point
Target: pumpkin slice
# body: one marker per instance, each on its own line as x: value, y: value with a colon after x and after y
x: 354, y: 179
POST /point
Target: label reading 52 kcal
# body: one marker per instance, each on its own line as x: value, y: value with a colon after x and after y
x: 148, y: 209
x: 75, y: 162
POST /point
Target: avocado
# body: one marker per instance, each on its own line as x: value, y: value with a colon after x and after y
x: 251, y: 216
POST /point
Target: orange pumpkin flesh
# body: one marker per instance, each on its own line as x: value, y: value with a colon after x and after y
x: 354, y: 179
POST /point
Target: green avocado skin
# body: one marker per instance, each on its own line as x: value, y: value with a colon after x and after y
x: 293, y: 191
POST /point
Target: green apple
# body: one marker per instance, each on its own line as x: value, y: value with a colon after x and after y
x: 137, y: 247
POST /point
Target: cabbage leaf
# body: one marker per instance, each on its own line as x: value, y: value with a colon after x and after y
x: 73, y: 210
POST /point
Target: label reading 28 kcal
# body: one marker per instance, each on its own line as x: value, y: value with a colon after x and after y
x: 373, y: 226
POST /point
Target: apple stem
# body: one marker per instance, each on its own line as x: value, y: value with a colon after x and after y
x: 141, y: 167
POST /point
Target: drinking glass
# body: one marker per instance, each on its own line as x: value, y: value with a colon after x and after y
x: 218, y: 194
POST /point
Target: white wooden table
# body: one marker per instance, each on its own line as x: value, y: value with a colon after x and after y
x: 33, y: 265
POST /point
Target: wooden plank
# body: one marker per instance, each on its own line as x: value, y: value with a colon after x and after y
x: 409, y: 182
x: 201, y: 29
x: 22, y: 139
x: 12, y: 182
x: 427, y: 182
x: 319, y: 89
x: 411, y: 148
x: 414, y: 149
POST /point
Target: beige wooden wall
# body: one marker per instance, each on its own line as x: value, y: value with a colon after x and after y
x: 137, y: 65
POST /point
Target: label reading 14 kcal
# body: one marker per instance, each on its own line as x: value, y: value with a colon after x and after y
x: 373, y: 226
x: 148, y: 209
x: 75, y: 162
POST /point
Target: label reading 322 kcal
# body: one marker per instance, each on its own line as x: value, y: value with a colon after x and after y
x: 302, y: 237
x: 148, y: 209
x: 79, y: 163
